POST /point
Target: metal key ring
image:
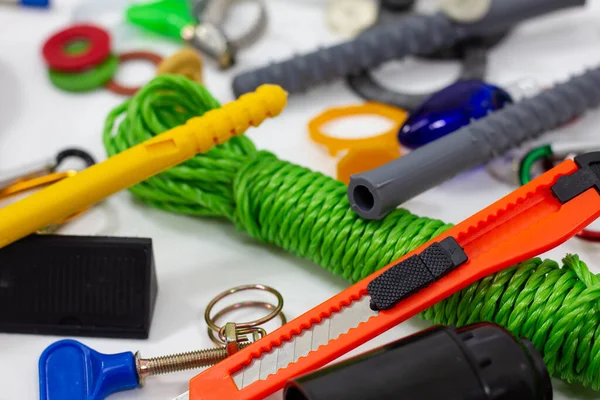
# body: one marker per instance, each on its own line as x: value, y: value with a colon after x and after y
x: 220, y: 340
x: 277, y: 310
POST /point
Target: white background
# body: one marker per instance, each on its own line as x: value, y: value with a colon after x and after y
x: 197, y: 258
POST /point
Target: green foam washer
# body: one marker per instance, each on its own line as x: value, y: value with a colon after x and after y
x: 87, y: 80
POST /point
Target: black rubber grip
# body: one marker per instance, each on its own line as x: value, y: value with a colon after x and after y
x: 568, y: 187
x: 415, y: 273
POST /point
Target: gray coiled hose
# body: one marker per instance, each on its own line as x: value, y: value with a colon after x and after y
x: 415, y: 35
x: 375, y: 193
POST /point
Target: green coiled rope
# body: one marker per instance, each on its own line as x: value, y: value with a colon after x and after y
x: 307, y: 213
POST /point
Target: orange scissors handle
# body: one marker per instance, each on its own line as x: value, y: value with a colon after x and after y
x: 531, y: 220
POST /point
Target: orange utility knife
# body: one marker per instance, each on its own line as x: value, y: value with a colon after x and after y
x: 531, y: 220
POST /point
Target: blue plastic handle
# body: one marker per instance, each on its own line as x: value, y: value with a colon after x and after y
x: 70, y: 370
x: 449, y: 110
x: 35, y: 3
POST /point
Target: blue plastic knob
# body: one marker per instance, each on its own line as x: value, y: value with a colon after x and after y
x: 69, y: 370
x: 449, y: 110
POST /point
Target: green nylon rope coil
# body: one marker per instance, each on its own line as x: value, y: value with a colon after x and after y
x: 307, y: 213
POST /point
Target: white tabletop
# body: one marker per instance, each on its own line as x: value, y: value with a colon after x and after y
x: 197, y: 258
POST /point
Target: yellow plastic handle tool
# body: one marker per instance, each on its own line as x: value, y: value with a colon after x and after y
x: 198, y: 135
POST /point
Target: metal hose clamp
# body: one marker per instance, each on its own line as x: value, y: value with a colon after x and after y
x: 210, y: 37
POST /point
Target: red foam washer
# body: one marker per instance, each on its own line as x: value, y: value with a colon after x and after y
x: 55, y: 52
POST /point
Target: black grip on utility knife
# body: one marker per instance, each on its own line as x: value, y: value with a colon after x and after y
x: 586, y: 177
x: 415, y: 273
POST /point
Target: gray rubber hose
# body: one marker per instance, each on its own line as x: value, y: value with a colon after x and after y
x: 415, y: 35
x: 375, y: 193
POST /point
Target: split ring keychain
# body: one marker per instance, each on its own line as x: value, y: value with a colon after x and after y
x: 363, y: 154
x: 233, y: 333
x: 41, y: 174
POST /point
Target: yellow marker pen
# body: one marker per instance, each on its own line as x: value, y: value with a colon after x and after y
x: 198, y: 135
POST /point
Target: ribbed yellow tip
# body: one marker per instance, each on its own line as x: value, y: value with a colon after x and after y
x: 274, y: 98
x: 219, y: 125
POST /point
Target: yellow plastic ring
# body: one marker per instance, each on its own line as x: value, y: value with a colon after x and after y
x: 335, y: 145
x: 364, y: 154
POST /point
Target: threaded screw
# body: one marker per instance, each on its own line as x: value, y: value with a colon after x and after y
x: 179, y: 362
